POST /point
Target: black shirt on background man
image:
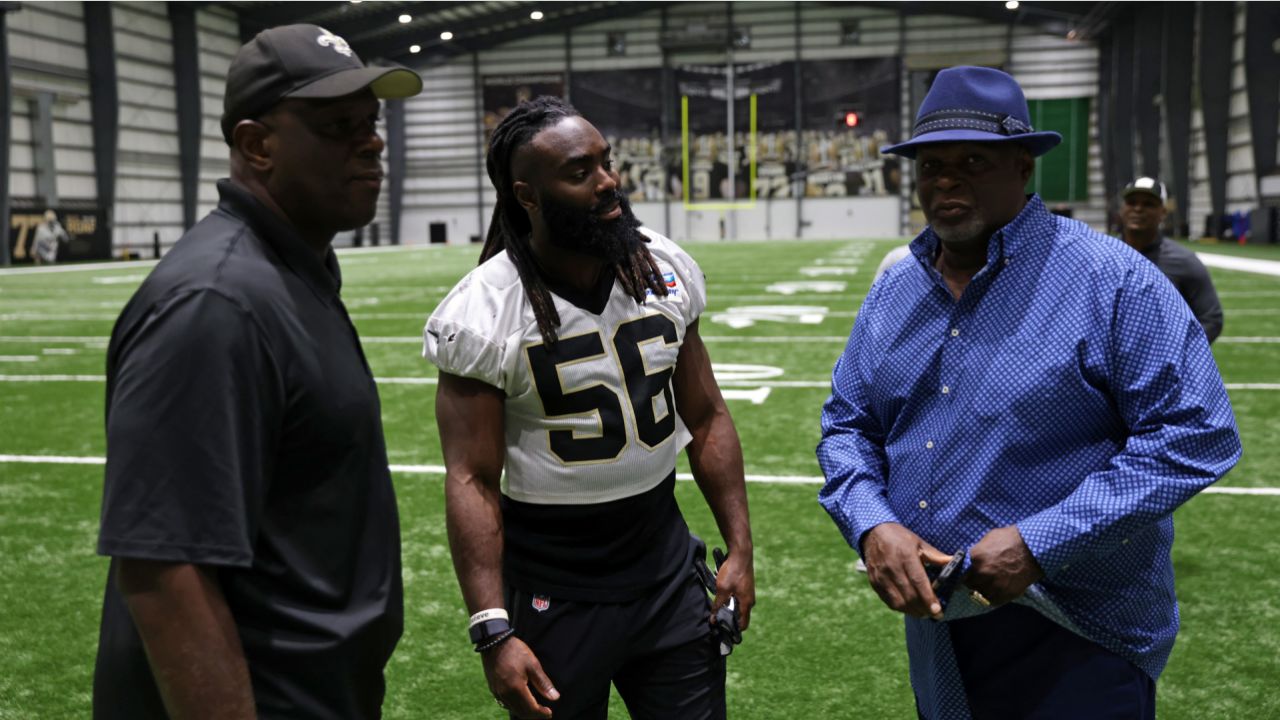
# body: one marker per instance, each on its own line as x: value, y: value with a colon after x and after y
x: 1141, y: 216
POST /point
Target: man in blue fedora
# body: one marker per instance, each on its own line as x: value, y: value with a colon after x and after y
x: 1032, y: 399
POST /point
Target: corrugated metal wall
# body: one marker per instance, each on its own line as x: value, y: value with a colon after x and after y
x: 46, y: 46
x: 218, y: 33
x: 148, y: 191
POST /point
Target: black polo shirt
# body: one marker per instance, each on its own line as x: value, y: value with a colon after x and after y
x: 1192, y: 281
x: 244, y: 434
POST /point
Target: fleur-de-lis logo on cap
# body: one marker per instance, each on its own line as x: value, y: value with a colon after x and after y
x: 328, y: 39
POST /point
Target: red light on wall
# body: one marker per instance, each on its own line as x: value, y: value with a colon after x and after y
x: 851, y: 119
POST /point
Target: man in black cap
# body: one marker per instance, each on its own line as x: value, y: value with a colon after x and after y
x: 248, y: 506
x: 1142, y: 217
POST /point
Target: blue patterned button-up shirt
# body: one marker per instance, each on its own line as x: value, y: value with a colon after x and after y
x: 1068, y: 391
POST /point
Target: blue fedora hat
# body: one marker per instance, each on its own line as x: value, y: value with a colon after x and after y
x: 975, y: 104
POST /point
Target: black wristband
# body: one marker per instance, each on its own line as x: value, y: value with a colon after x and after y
x: 495, y: 641
x: 482, y: 632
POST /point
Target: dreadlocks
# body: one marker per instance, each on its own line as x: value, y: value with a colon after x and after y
x: 510, y: 228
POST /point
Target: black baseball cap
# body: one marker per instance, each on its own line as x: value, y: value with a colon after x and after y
x: 303, y: 61
x: 1148, y: 185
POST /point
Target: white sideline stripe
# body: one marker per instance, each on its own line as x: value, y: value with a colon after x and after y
x: 18, y: 358
x: 1231, y: 262
x: 86, y: 267
x: 440, y: 470
x: 818, y: 384
x: 417, y: 340
x: 53, y: 378
x: 113, y: 264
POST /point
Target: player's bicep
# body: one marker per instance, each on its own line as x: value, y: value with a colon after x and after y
x: 698, y: 396
x: 469, y: 414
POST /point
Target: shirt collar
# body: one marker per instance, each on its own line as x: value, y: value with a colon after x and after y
x: 324, y: 277
x: 1034, y: 220
x: 1152, y: 251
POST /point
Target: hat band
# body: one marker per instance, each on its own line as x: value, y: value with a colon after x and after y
x: 1006, y: 125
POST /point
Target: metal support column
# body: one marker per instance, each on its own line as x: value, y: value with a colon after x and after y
x: 1179, y: 24
x: 1149, y: 37
x: 397, y: 164
x: 46, y: 167
x: 186, y: 86
x: 104, y: 104
x: 1217, y: 21
x: 480, y: 145
x: 6, y: 127
x: 1262, y: 69
x: 798, y: 188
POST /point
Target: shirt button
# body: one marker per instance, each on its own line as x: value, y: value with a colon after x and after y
x: 929, y: 444
x: 923, y: 504
x: 955, y: 332
x: 945, y: 389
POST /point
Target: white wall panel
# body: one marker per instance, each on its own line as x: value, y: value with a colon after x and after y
x: 46, y: 46
x: 218, y: 37
x: 148, y: 144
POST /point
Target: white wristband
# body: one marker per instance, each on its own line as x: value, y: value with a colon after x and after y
x: 490, y: 614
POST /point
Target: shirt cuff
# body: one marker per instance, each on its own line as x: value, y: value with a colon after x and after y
x: 1053, y: 540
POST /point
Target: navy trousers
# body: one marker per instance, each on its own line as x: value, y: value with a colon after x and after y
x: 1015, y: 663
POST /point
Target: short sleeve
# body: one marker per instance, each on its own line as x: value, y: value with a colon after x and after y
x: 688, y: 272
x: 453, y: 345
x: 194, y: 411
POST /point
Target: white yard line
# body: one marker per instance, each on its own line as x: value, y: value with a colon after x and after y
x: 1243, y: 264
x: 440, y: 470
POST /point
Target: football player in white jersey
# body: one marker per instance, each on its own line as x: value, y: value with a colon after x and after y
x: 571, y: 375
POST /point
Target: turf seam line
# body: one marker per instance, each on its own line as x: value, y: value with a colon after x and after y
x: 440, y: 470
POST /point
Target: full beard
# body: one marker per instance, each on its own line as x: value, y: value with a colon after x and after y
x: 585, y: 232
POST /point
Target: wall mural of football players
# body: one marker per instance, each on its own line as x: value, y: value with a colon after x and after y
x: 626, y: 106
x: 713, y: 151
x: 844, y: 160
x: 501, y: 93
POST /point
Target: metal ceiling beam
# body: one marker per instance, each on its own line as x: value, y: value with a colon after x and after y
x: 384, y: 22
x: 462, y: 43
x: 428, y: 32
x: 255, y: 17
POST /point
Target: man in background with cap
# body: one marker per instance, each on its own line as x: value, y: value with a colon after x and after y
x: 248, y: 506
x: 1142, y: 217
x: 1028, y: 398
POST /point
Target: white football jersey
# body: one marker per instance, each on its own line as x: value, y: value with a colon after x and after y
x: 591, y: 418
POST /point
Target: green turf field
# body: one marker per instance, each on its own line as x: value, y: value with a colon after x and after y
x: 821, y: 644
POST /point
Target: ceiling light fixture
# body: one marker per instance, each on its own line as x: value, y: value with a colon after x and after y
x: 535, y: 15
x: 1011, y: 5
x: 404, y: 19
x: 446, y: 35
x: 415, y: 49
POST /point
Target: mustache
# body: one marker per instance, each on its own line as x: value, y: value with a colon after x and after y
x: 610, y: 199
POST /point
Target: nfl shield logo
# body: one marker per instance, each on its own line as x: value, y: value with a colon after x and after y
x: 541, y: 603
